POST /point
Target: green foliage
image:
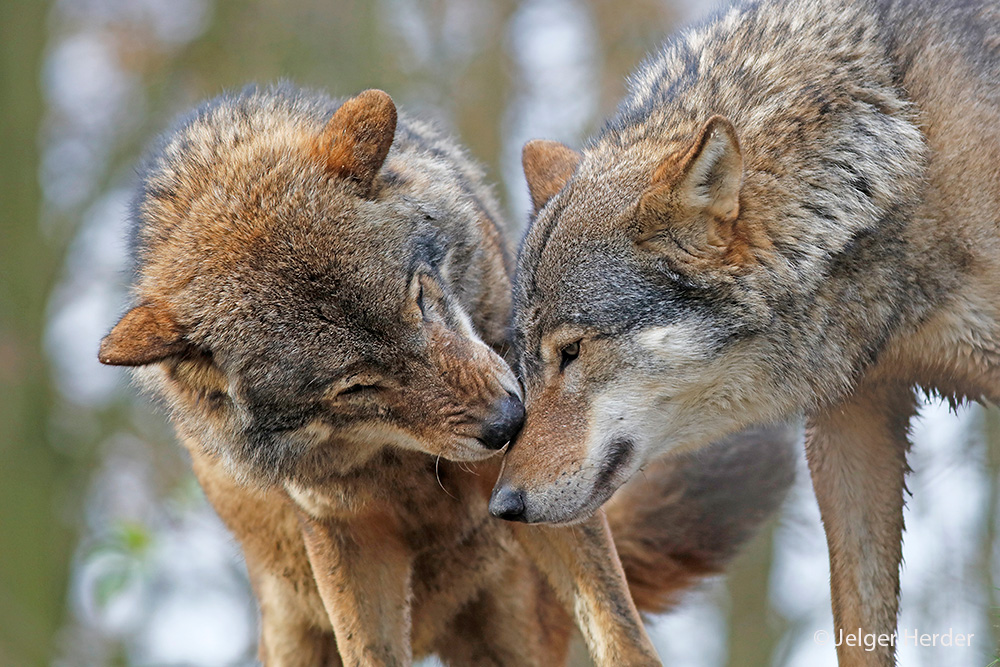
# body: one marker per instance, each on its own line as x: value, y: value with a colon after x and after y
x: 123, y: 559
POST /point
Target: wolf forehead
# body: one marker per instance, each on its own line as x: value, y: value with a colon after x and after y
x: 237, y: 221
x: 579, y: 268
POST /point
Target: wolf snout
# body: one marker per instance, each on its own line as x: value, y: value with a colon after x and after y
x: 505, y: 422
x: 507, y: 503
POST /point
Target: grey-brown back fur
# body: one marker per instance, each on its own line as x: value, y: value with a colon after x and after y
x: 835, y: 169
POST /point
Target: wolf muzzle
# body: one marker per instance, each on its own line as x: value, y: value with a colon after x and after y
x: 505, y: 424
x: 507, y: 503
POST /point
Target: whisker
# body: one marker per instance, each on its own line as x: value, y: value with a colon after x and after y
x: 437, y: 475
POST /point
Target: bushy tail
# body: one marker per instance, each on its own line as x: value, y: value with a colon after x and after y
x: 684, y: 517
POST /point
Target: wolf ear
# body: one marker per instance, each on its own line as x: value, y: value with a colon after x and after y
x: 144, y: 335
x: 548, y: 166
x: 358, y: 136
x: 695, y: 195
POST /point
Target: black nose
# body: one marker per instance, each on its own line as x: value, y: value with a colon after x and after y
x: 507, y: 503
x: 505, y: 423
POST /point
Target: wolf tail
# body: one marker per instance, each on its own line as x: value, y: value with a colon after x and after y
x: 684, y: 517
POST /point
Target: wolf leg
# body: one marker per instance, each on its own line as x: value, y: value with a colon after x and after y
x: 289, y: 636
x: 294, y: 629
x: 582, y: 565
x: 363, y: 576
x: 857, y: 456
x: 515, y: 621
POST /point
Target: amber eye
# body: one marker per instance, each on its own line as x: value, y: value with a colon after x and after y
x: 568, y: 354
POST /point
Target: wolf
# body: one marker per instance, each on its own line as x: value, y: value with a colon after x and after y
x: 321, y: 299
x: 795, y: 210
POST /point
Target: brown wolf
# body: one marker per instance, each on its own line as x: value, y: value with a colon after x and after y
x: 795, y: 209
x: 321, y: 293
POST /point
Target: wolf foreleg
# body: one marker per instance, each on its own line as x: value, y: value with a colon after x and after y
x: 857, y: 456
x: 287, y: 637
x: 363, y: 575
x: 582, y: 565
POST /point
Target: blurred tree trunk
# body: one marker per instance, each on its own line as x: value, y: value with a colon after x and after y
x: 481, y: 95
x: 754, y: 627
x: 35, y: 545
x: 628, y: 33
x: 338, y: 47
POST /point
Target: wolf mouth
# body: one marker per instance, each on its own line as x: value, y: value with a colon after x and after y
x: 471, y: 449
x: 620, y: 452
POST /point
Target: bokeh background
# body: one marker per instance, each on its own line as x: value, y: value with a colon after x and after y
x: 109, y: 554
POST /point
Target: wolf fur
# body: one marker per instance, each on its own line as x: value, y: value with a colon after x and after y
x: 321, y: 295
x: 795, y: 209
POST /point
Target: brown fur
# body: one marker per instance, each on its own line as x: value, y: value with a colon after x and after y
x: 356, y: 142
x: 146, y: 334
x: 547, y: 164
x: 859, y: 258
x: 321, y: 292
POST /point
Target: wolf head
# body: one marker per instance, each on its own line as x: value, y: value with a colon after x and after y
x: 305, y: 275
x: 628, y: 293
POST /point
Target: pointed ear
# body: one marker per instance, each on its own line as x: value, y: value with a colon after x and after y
x: 144, y: 335
x: 713, y: 173
x: 695, y: 195
x: 358, y: 136
x: 548, y: 166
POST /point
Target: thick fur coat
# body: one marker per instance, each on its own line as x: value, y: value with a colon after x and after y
x: 321, y: 299
x: 795, y: 209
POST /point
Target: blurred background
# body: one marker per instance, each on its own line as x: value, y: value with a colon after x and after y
x: 109, y: 554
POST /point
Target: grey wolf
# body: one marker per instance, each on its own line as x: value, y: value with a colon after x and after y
x: 795, y: 210
x: 321, y: 294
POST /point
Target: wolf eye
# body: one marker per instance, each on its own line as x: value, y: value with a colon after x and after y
x: 357, y: 389
x: 568, y: 354
x: 420, y: 301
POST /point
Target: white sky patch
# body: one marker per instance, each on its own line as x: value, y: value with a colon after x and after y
x: 198, y: 599
x: 553, y: 46
x: 170, y: 21
x: 693, y: 635
x: 87, y: 302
